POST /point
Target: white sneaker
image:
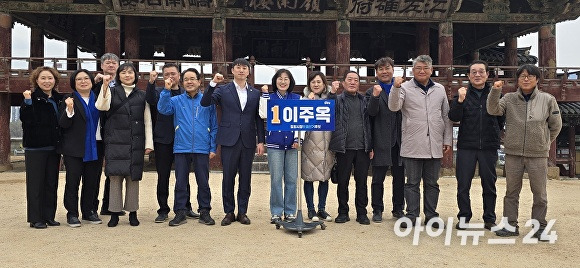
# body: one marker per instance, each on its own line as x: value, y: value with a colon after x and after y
x: 274, y: 219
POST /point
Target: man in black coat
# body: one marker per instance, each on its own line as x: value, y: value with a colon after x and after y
x: 386, y: 133
x: 478, y: 141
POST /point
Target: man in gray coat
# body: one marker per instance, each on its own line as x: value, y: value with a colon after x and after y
x: 386, y: 136
x: 426, y: 136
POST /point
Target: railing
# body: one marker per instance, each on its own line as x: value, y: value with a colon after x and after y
x: 451, y: 76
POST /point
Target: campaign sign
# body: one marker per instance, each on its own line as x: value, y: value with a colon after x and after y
x: 300, y: 115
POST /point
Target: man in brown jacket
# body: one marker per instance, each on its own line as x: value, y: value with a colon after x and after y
x: 533, y: 122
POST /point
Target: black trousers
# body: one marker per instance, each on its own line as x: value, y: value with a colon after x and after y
x: 377, y: 184
x: 88, y: 172
x: 360, y: 160
x: 41, y: 184
x: 236, y: 159
x: 465, y: 170
x: 163, y: 161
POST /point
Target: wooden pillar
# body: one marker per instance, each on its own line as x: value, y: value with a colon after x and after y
x: 422, y: 38
x: 218, y: 45
x: 330, y: 49
x: 5, y: 51
x: 113, y: 34
x: 511, y: 54
x: 131, y: 26
x: 445, y: 47
x: 572, y: 149
x: 229, y: 41
x: 36, y: 47
x: 343, y: 45
x: 547, y: 49
x: 72, y: 53
x: 446, y: 58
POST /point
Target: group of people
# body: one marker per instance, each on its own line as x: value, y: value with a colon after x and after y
x: 404, y: 126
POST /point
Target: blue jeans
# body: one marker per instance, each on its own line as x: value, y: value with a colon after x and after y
x: 322, y: 194
x: 283, y: 165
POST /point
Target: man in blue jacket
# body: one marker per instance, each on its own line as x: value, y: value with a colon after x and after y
x: 195, y: 132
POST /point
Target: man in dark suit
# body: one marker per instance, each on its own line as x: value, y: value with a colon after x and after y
x: 386, y: 132
x: 238, y: 127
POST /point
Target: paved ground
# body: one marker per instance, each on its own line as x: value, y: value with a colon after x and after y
x: 260, y: 244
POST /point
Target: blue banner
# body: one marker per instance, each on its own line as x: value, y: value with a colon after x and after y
x: 300, y: 115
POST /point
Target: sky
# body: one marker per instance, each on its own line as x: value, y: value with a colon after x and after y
x: 567, y: 42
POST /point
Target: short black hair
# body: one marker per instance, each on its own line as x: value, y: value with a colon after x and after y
x: 125, y: 66
x: 73, y: 78
x: 344, y: 78
x: 384, y: 61
x: 478, y: 62
x: 532, y: 69
x: 193, y: 70
x: 278, y: 74
x: 169, y: 65
x: 241, y: 61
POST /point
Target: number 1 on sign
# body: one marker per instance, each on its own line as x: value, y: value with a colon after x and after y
x: 275, y: 114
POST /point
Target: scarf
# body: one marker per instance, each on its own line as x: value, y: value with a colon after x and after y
x: 386, y: 87
x: 92, y: 116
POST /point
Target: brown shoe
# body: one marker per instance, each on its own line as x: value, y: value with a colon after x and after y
x: 243, y: 219
x: 228, y: 219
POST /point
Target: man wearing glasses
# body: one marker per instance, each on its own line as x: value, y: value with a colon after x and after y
x: 533, y: 121
x: 477, y: 143
x: 426, y: 136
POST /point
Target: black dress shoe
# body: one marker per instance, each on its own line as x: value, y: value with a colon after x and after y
x: 228, y: 219
x: 191, y: 214
x: 52, y: 223
x: 114, y: 220
x: 377, y: 216
x: 133, y: 221
x: 342, y: 218
x: 489, y: 225
x: 243, y: 219
x: 38, y: 225
x: 363, y: 219
x: 398, y: 214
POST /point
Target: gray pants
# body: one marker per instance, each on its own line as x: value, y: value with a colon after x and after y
x: 428, y: 169
x: 116, y: 194
x: 537, y: 168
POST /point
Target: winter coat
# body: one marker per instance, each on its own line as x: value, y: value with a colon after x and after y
x: 385, y: 127
x: 40, y: 120
x: 341, y: 119
x: 478, y: 129
x: 425, y: 124
x: 530, y: 126
x: 316, y: 159
x: 195, y: 125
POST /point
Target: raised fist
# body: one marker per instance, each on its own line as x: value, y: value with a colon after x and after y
x: 498, y: 84
x: 377, y: 90
x: 98, y: 77
x: 27, y: 94
x: 311, y: 95
x: 335, y: 85
x: 218, y: 78
x: 69, y: 104
x: 153, y: 76
x: 461, y: 92
x: 398, y: 81
x: 107, y: 79
x: 168, y: 83
x: 265, y: 89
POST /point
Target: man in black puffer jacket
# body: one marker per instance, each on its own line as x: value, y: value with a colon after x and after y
x: 478, y: 141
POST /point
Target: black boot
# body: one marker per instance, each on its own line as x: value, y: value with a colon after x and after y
x: 114, y: 220
x: 133, y: 221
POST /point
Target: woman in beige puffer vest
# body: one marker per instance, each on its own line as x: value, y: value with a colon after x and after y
x: 316, y: 159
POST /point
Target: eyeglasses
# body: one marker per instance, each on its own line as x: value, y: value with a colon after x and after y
x: 529, y: 76
x: 190, y: 79
x: 82, y: 78
x: 419, y: 68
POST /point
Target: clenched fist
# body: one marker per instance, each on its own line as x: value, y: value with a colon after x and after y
x: 69, y: 104
x: 265, y: 89
x: 27, y: 94
x: 498, y: 84
x: 98, y: 77
x: 153, y: 76
x: 107, y: 79
x: 169, y: 83
x: 377, y: 90
x: 461, y: 92
x: 218, y: 78
x: 398, y: 81
x: 335, y: 85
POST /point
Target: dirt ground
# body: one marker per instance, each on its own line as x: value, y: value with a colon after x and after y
x: 261, y: 244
